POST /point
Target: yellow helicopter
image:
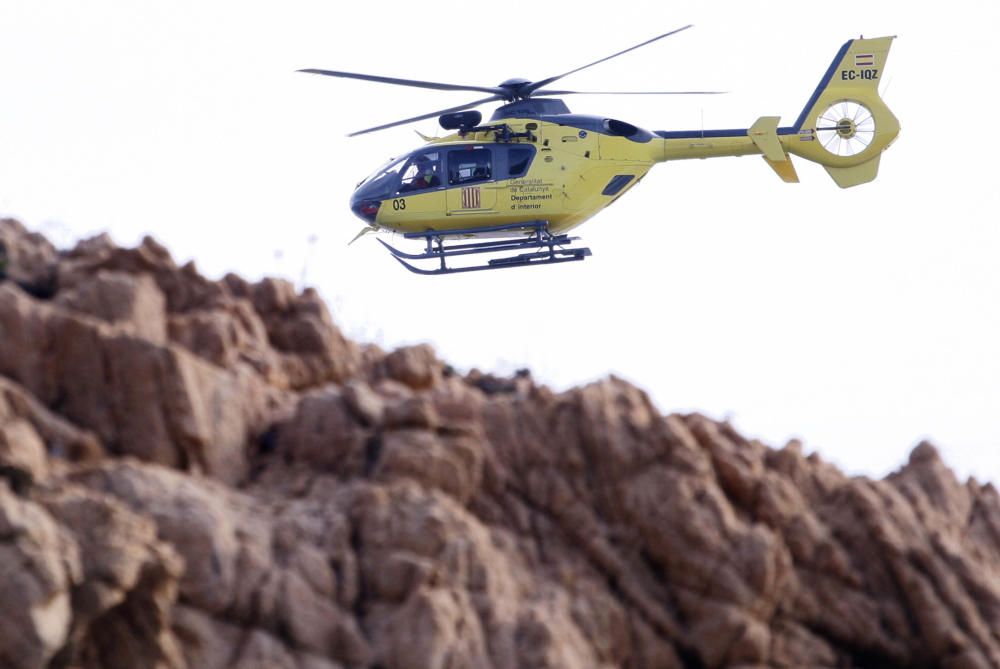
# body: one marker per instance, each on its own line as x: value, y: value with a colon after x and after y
x: 518, y: 184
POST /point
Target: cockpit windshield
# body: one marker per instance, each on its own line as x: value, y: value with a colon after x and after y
x: 415, y: 171
x: 392, y: 165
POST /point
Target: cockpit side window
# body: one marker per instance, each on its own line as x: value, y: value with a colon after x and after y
x: 518, y: 159
x: 469, y: 165
x: 422, y: 171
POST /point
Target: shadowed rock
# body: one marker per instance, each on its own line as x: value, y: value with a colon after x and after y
x: 27, y: 259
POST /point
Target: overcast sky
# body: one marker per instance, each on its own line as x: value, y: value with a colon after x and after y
x: 860, y: 321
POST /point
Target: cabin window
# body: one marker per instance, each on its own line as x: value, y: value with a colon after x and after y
x: 422, y: 171
x: 617, y: 183
x: 619, y: 128
x: 518, y: 160
x: 469, y: 165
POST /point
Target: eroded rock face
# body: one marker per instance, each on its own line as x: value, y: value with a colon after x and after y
x: 126, y: 589
x: 30, y: 433
x: 207, y: 474
x: 27, y: 259
x: 38, y: 564
x: 132, y: 300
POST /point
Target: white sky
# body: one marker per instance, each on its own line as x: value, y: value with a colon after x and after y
x: 859, y: 320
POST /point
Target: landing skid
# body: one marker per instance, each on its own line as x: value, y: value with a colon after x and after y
x: 546, y: 248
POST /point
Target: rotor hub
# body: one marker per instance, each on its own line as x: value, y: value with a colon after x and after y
x: 513, y: 88
x: 847, y: 128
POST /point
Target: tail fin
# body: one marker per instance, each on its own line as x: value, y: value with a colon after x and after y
x: 845, y: 126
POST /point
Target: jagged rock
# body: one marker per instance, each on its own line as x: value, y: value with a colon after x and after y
x: 305, y: 503
x: 299, y: 327
x: 22, y: 454
x: 229, y: 335
x: 183, y: 288
x: 451, y: 464
x: 153, y: 401
x: 366, y: 405
x: 124, y: 595
x: 194, y: 517
x: 133, y: 301
x: 494, y: 385
x: 325, y: 433
x: 415, y: 366
x: 242, y: 560
x: 412, y: 412
x: 435, y: 628
x: 302, y: 348
x: 27, y: 259
x: 38, y: 564
x: 29, y: 434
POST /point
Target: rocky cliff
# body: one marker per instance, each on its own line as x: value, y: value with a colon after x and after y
x: 207, y: 475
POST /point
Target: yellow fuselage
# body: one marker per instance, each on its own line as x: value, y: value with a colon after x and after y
x: 581, y: 164
x: 563, y: 184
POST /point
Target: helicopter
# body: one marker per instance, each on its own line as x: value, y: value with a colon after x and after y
x: 514, y: 187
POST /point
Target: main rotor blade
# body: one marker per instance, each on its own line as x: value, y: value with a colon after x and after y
x: 548, y: 92
x: 406, y: 82
x: 470, y: 105
x: 534, y: 86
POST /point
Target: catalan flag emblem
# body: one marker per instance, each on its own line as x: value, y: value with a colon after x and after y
x: 470, y: 198
x: 864, y: 59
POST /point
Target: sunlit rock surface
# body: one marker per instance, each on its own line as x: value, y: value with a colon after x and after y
x: 208, y: 475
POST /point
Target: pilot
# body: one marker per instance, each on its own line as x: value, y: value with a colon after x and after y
x: 426, y: 175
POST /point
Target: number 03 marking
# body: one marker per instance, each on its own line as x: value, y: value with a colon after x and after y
x: 399, y: 205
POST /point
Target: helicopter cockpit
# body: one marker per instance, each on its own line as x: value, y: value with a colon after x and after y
x: 421, y: 171
x: 430, y: 169
x: 414, y: 171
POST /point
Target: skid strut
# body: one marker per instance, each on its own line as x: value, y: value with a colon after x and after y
x: 543, y: 248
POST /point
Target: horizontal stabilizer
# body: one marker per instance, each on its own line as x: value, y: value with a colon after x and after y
x: 784, y: 169
x: 764, y: 133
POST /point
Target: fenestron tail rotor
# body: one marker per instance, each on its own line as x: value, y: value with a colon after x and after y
x: 510, y: 90
x: 845, y: 128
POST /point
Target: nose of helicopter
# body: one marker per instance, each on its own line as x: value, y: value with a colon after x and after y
x: 365, y: 208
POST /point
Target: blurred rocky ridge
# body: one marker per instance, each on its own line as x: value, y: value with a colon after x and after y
x: 207, y: 474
